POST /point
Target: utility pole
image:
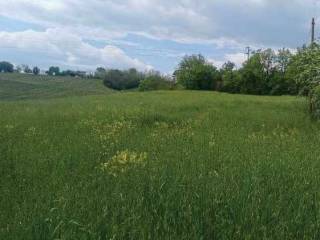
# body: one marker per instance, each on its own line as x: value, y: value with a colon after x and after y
x: 313, y: 24
x: 248, y: 52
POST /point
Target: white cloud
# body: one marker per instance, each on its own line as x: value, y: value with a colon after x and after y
x: 216, y: 63
x: 69, y: 49
x: 237, y: 58
x: 227, y: 26
x: 262, y: 22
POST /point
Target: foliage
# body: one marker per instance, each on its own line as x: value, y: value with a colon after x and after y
x: 253, y: 77
x: 122, y: 80
x: 230, y: 78
x: 155, y: 81
x: 100, y: 72
x: 54, y: 71
x: 72, y: 73
x: 305, y: 68
x: 6, y: 67
x: 196, y: 73
x: 315, y: 102
x: 265, y: 73
x: 36, y: 71
x: 26, y: 69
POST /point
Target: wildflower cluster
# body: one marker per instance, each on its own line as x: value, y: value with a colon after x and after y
x: 277, y: 133
x: 124, y: 161
x: 180, y: 129
x: 108, y: 134
x: 31, y: 132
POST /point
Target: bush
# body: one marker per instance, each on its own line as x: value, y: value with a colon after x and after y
x: 155, y: 82
x: 6, y: 67
x: 195, y: 73
x: 315, y: 102
x: 122, y: 80
x: 304, y: 69
x: 36, y: 71
x: 53, y: 71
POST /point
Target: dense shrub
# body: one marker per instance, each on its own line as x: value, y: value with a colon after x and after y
x: 36, y: 71
x: 6, y: 67
x: 53, y: 71
x: 122, y: 80
x: 305, y: 68
x: 315, y: 102
x: 155, y: 82
x: 196, y: 73
x: 265, y: 73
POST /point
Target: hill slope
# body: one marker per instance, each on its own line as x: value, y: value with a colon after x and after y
x: 24, y: 86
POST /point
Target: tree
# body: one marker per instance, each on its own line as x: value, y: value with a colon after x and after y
x: 228, y: 66
x: 304, y: 68
x: 279, y: 83
x: 121, y: 80
x: 264, y: 73
x: 195, y: 73
x: 267, y: 59
x: 155, y: 81
x: 26, y: 68
x: 100, y: 72
x: 36, y: 71
x: 230, y: 78
x: 283, y: 59
x: 54, y: 71
x: 253, y: 76
x: 6, y: 67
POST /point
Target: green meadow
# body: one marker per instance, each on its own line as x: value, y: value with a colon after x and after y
x: 155, y: 165
x: 15, y: 86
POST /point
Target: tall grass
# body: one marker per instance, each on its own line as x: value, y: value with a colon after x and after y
x: 161, y: 165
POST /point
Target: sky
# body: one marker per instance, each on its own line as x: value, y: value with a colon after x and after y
x: 148, y: 34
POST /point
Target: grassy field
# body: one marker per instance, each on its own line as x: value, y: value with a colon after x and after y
x: 25, y: 86
x: 159, y: 165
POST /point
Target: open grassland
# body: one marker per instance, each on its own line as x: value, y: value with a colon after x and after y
x: 28, y: 86
x: 160, y: 165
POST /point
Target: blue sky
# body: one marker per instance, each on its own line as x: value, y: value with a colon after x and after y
x: 147, y: 34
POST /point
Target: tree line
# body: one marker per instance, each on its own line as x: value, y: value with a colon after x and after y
x: 7, y: 67
x: 266, y: 72
x: 132, y: 78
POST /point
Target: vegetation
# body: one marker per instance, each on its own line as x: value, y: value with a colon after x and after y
x: 161, y: 165
x: 195, y: 73
x: 154, y: 81
x: 16, y: 86
x: 54, y: 71
x: 122, y: 80
x: 306, y: 73
x: 6, y: 67
x: 36, y: 71
x: 265, y: 73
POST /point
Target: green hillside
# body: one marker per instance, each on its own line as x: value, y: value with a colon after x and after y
x: 25, y: 86
x: 159, y: 165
